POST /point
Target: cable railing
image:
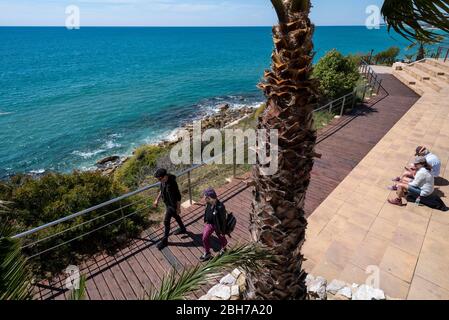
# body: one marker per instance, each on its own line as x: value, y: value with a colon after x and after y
x: 132, y: 206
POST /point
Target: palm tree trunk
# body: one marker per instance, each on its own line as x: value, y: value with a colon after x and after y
x: 278, y: 219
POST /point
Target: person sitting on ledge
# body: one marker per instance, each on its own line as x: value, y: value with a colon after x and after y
x: 421, y: 186
x: 431, y: 159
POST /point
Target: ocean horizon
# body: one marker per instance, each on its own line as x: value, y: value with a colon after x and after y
x: 71, y: 97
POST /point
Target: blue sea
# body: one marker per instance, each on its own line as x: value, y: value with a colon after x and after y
x: 71, y: 97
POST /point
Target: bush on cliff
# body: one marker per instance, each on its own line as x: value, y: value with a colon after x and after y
x: 35, y: 202
x: 140, y: 166
x: 337, y: 74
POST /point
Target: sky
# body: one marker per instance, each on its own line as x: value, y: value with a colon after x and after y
x: 174, y: 12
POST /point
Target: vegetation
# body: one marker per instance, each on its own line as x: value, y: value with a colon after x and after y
x: 337, y: 74
x: 142, y: 164
x: 39, y: 201
x: 387, y: 57
x: 411, y: 18
x: 177, y: 286
x: 15, y: 277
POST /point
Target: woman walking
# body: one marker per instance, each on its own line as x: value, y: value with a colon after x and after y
x: 215, y: 221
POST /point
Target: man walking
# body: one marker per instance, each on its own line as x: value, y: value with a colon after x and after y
x: 171, y: 196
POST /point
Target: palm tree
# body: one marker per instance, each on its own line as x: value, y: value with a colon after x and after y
x: 178, y: 285
x: 278, y: 220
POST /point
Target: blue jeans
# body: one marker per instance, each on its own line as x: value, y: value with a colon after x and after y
x: 414, y: 191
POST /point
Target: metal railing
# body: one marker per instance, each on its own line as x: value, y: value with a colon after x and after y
x: 442, y: 52
x: 119, y: 209
x: 372, y: 78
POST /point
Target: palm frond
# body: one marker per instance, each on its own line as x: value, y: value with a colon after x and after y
x: 177, y: 285
x: 407, y: 17
x: 79, y: 294
x: 15, y: 277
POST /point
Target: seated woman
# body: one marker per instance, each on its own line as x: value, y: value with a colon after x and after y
x: 421, y: 186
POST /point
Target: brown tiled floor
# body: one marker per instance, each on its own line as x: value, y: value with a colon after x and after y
x: 355, y: 227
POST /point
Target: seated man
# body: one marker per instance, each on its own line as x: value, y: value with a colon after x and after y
x: 410, y: 172
x: 421, y: 186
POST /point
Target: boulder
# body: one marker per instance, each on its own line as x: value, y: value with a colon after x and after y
x: 235, y: 292
x: 107, y: 160
x: 229, y: 280
x: 317, y: 288
x: 334, y: 286
x: 220, y: 291
x: 345, y: 292
x: 236, y: 273
x: 309, y: 280
x: 365, y: 292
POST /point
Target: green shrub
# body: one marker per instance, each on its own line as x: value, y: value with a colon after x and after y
x: 140, y: 166
x: 337, y: 74
x: 387, y: 57
x: 40, y: 201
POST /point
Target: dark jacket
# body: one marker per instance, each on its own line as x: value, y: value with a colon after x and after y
x: 170, y: 192
x: 216, y: 216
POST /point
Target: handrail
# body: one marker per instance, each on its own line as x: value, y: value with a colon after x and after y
x: 187, y: 171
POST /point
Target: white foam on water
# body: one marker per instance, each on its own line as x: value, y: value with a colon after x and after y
x: 88, y: 154
x: 39, y: 171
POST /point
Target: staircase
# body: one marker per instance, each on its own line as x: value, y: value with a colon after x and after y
x: 424, y: 76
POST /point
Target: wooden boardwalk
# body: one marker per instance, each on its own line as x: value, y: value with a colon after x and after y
x: 139, y: 267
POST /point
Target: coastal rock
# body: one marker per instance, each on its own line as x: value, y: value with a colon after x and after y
x: 365, y: 292
x: 224, y: 107
x: 220, y: 291
x: 108, y: 159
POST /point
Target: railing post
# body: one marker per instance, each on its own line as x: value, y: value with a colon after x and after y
x: 189, y: 181
x: 364, y: 94
x: 380, y: 84
x: 331, y: 106
x: 343, y: 106
x: 354, y: 98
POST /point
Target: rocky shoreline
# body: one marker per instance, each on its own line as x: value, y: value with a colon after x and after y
x: 225, y: 116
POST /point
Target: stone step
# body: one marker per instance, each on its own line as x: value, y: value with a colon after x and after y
x: 430, y: 69
x: 418, y: 86
x: 440, y: 64
x: 423, y: 77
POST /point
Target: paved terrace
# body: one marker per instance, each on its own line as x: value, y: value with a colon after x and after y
x: 355, y: 227
x: 343, y: 144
